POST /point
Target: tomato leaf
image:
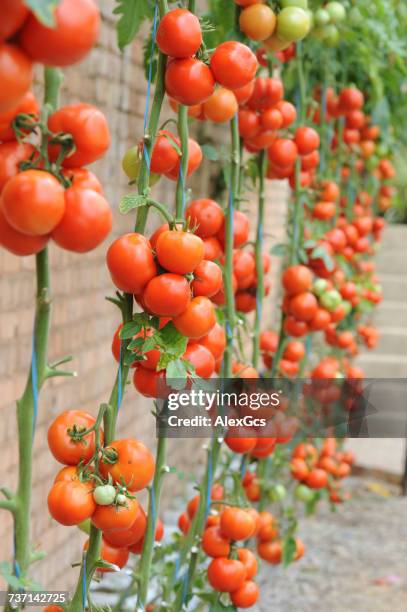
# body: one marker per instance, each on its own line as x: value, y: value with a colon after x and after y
x: 131, y: 201
x: 129, y: 330
x: 210, y: 152
x: 279, y: 250
x: 44, y: 10
x: 289, y: 550
x: 177, y: 373
x: 131, y: 13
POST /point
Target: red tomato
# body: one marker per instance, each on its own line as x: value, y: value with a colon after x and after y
x: 324, y: 211
x: 150, y: 383
x: 13, y: 15
x: 198, y: 318
x: 18, y: 243
x: 201, y: 359
x: 294, y: 327
x: 114, y: 518
x: 297, y: 279
x: 283, y: 152
x: 221, y: 106
x: 16, y: 76
x: 33, y: 202
x: 131, y: 263
x: 213, y: 248
x: 237, y: 524
x: 71, y: 502
x: 130, y: 463
x: 179, y: 252
x: 249, y: 123
x: 233, y: 64
x: 179, y: 33
x: 215, y: 340
x: 73, y: 36
x: 240, y: 229
x: 194, y: 161
x: 83, y: 178
x: 240, y: 440
x: 288, y: 112
x: 350, y: 99
x: 27, y: 105
x: 111, y: 554
x: 242, y: 94
x: 271, y: 119
x: 11, y: 155
x: 89, y: 130
x: 63, y: 440
x: 164, y: 155
x: 207, y: 279
x: 307, y: 140
x: 214, y: 544
x: 246, y: 595
x: 320, y: 320
x: 206, y: 216
x: 167, y: 295
x: 130, y: 536
x: 271, y: 551
x: 294, y: 351
x: 189, y: 81
x: 86, y: 223
x: 267, y: 92
x: 226, y: 575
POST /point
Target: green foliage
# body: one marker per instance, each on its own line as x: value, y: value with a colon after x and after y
x: 223, y: 15
x: 44, y: 10
x: 131, y: 13
x: 131, y: 201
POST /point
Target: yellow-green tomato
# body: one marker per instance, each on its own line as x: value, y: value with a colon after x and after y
x: 336, y: 11
x: 320, y: 286
x: 300, y: 3
x: 321, y: 17
x: 331, y: 36
x: 131, y: 163
x: 104, y: 495
x: 331, y: 299
x: 303, y: 493
x: 293, y: 24
x: 84, y: 526
x: 278, y: 492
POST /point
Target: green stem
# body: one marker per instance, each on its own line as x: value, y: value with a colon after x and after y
x: 20, y: 503
x: 183, y: 135
x: 262, y: 161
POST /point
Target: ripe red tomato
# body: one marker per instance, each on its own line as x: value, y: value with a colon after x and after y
x: 213, y: 248
x: 83, y: 178
x: 271, y: 551
x: 297, y: 279
x: 207, y: 279
x: 246, y: 595
x: 133, y: 464
x: 307, y: 140
x: 159, y: 532
x: 18, y: 243
x: 257, y: 21
x: 194, y: 161
x: 179, y: 34
x: 288, y: 112
x: 71, y: 502
x: 115, y: 518
x: 249, y: 123
x: 317, y: 479
x: 271, y: 119
x: 179, y: 252
x: 237, y: 524
x: 295, y: 328
x: 167, y: 295
x: 198, y: 318
x: 214, y: 544
x: 226, y: 575
x: 89, y: 129
x: 324, y: 210
x: 27, y: 105
x: 240, y: 440
x: 215, y: 340
x: 201, y: 359
x: 111, y: 554
x: 267, y: 92
x: 13, y: 15
x: 242, y: 94
x: 189, y: 81
x: 221, y: 106
x: 233, y: 64
x: 63, y: 438
x: 150, y: 383
x: 283, y: 152
x: 33, y: 202
x: 164, y: 155
x: 16, y: 75
x: 351, y: 99
x: 310, y: 161
x: 131, y: 263
x: 247, y: 557
x: 240, y: 229
x: 73, y: 36
x: 205, y: 216
x: 86, y: 223
x: 294, y: 351
x: 130, y: 536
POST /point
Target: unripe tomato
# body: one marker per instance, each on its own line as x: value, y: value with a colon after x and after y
x: 130, y: 536
x: 246, y: 595
x: 27, y: 105
x: 321, y: 17
x: 131, y: 164
x: 111, y: 554
x: 18, y: 243
x: 164, y: 155
x: 86, y: 223
x: 130, y: 463
x: 257, y: 21
x: 75, y: 32
x: 33, y: 202
x: 167, y: 295
x: 293, y: 24
x: 179, y: 33
x: 201, y: 359
x: 179, y: 252
x: 16, y: 75
x: 198, y: 318
x: 64, y: 442
x: 115, y: 517
x: 89, y: 129
x: 303, y: 493
x: 71, y: 502
x: 221, y: 106
x: 275, y: 43
x: 299, y: 3
x: 205, y: 216
x: 330, y: 299
x: 104, y: 495
x: 233, y: 64
x: 336, y: 11
x: 13, y: 15
x: 226, y: 575
x: 189, y: 81
x: 131, y: 263
x: 207, y: 279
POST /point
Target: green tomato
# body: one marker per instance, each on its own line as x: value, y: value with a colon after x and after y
x: 278, y: 492
x: 318, y: 33
x: 131, y: 164
x: 355, y: 16
x: 299, y: 3
x: 347, y: 306
x: 320, y: 286
x: 331, y: 299
x: 336, y: 11
x: 121, y: 499
x: 321, y: 17
x: 293, y: 24
x: 104, y: 495
x: 331, y: 37
x: 84, y: 526
x: 303, y: 493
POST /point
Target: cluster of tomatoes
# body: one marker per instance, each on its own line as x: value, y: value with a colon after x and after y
x: 98, y: 484
x: 318, y: 469
x: 326, y: 22
x: 277, y: 30
x: 49, y: 194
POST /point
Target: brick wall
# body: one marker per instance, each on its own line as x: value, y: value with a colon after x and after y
x: 82, y: 320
